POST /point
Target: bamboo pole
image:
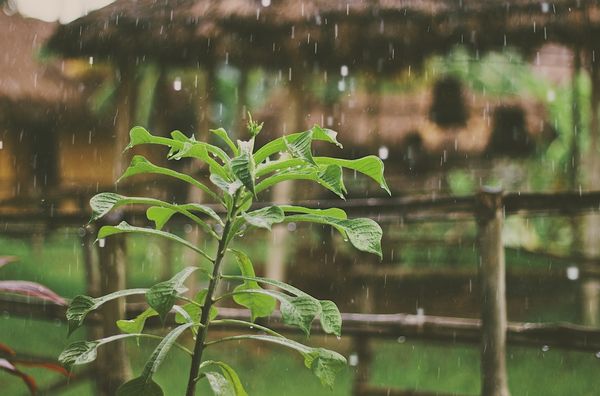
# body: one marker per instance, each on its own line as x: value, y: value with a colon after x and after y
x: 494, y: 381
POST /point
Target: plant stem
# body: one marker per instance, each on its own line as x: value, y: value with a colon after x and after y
x: 205, y: 317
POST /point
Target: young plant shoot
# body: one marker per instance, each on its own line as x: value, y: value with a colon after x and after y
x: 238, y: 175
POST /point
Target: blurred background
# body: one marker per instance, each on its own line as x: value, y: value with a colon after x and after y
x: 451, y: 95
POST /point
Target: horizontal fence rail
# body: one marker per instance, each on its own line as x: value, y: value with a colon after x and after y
x: 384, y: 326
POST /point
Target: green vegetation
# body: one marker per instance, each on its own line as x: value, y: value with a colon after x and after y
x: 236, y: 180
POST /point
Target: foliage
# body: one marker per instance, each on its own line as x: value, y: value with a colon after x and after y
x: 10, y: 362
x: 237, y: 178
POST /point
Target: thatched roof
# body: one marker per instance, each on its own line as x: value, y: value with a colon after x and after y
x: 31, y: 88
x: 380, y: 35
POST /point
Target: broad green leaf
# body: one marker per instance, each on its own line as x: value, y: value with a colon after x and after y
x: 363, y: 234
x: 279, y: 144
x: 78, y: 353
x: 295, y: 311
x: 301, y: 146
x: 259, y: 305
x: 135, y: 326
x: 283, y: 286
x: 161, y: 351
x: 140, y: 387
x: 195, y: 311
x: 229, y: 374
x: 123, y: 227
x: 104, y: 202
x: 331, y: 212
x: 163, y: 295
x: 159, y: 215
x: 331, y: 319
x: 299, y: 311
x: 82, y: 305
x: 242, y: 167
x: 329, y: 177
x: 140, y: 165
x: 228, y: 187
x: 222, y: 133
x: 265, y: 217
x: 325, y: 364
x: 180, y: 146
x: 83, y: 352
x: 371, y: 166
x: 219, y: 384
x: 144, y: 385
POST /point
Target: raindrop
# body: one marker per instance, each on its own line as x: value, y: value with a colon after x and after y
x: 550, y: 95
x: 384, y: 152
x: 102, y: 242
x: 344, y: 71
x: 1, y: 144
x: 177, y: 84
x: 341, y: 85
x: 265, y: 3
x: 91, y: 60
x: 291, y: 226
x: 187, y: 228
x: 572, y: 273
x: 353, y: 359
x: 545, y: 348
x: 545, y: 7
x: 597, y: 355
x: 218, y: 228
x: 401, y: 339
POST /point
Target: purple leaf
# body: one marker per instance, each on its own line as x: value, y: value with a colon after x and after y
x: 31, y: 289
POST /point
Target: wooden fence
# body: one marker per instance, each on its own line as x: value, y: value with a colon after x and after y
x: 492, y: 332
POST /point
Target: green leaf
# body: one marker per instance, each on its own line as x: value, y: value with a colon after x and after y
x: 140, y: 165
x: 371, y: 166
x: 259, y: 305
x: 265, y: 217
x: 123, y: 227
x: 222, y: 133
x: 331, y: 212
x: 104, y: 202
x: 140, y: 387
x: 283, y: 286
x: 144, y: 385
x: 161, y: 351
x: 226, y: 186
x: 82, y: 305
x: 301, y: 146
x: 279, y: 144
x: 159, y: 215
x: 364, y: 234
x: 195, y: 310
x: 229, y: 374
x: 219, y: 384
x: 136, y: 326
x: 295, y: 311
x: 331, y: 319
x: 78, y: 353
x: 329, y: 177
x: 325, y: 364
x: 163, y: 295
x: 299, y: 311
x: 242, y: 167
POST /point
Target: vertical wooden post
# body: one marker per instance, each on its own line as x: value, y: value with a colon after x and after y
x: 275, y: 266
x: 590, y: 287
x: 113, y: 363
x: 493, y: 294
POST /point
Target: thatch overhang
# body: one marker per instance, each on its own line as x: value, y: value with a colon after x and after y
x: 378, y: 36
x: 34, y: 90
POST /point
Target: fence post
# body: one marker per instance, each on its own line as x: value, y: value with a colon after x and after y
x: 493, y: 293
